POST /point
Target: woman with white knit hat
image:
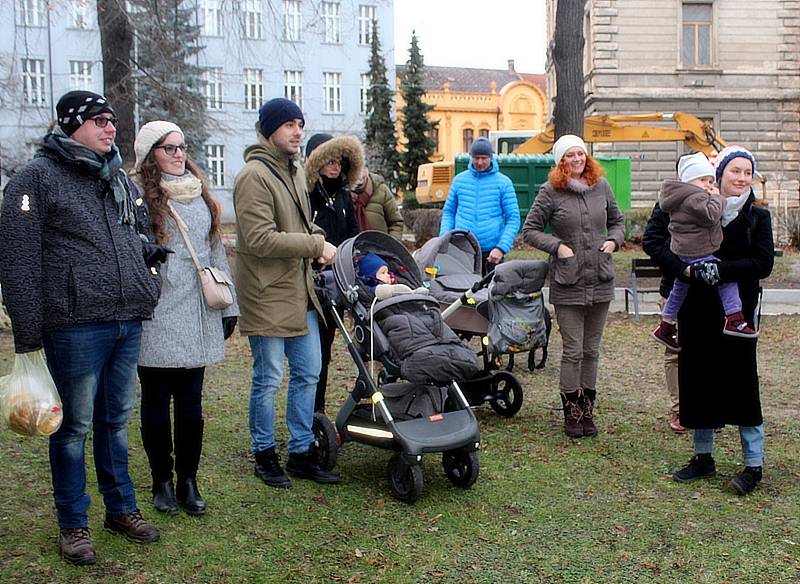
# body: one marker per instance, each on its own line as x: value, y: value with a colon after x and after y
x: 185, y: 335
x: 586, y: 227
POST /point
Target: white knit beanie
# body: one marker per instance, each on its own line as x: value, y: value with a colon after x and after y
x: 566, y: 142
x: 692, y: 166
x: 149, y: 135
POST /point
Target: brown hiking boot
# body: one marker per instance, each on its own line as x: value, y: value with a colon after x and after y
x: 133, y: 526
x: 573, y: 426
x: 587, y: 405
x: 75, y: 546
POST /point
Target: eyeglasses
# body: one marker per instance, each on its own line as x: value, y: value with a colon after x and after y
x: 102, y: 122
x: 171, y: 149
x: 335, y: 162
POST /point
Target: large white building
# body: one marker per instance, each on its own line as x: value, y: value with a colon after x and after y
x: 313, y: 52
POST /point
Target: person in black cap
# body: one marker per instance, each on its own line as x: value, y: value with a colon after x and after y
x: 276, y: 243
x: 333, y: 166
x: 77, y: 285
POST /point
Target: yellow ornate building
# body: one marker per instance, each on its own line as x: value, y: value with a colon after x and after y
x: 468, y: 103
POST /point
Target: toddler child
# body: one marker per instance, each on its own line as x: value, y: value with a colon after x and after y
x: 695, y: 210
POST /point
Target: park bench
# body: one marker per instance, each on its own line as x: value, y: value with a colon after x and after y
x: 641, y: 268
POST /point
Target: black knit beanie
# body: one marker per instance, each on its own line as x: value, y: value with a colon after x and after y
x: 277, y: 112
x: 75, y: 107
x: 315, y: 141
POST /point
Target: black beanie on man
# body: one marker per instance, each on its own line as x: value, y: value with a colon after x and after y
x: 275, y: 113
x: 75, y: 107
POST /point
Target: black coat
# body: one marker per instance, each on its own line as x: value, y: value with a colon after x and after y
x: 656, y: 243
x: 333, y: 212
x: 718, y: 374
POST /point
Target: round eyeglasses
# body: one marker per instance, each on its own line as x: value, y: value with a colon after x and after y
x: 171, y: 149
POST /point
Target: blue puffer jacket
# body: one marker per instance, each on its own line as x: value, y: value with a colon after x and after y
x: 485, y: 204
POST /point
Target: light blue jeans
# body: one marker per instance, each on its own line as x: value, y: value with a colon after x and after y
x: 752, y: 438
x: 305, y: 361
x: 94, y: 369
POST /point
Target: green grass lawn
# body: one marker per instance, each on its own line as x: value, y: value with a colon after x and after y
x: 545, y: 508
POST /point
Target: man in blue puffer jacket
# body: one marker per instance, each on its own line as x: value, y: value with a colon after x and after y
x: 482, y: 200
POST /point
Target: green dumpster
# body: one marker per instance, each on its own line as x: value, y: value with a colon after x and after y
x: 528, y: 172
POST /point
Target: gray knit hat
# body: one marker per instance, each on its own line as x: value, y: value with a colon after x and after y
x: 151, y: 134
x: 481, y: 147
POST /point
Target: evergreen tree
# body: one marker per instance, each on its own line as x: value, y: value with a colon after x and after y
x: 170, y: 85
x: 379, y: 130
x: 419, y: 146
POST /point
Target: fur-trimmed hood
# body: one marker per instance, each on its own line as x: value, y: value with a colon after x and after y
x: 346, y: 147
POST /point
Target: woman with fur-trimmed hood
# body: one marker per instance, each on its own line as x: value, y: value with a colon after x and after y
x: 333, y: 165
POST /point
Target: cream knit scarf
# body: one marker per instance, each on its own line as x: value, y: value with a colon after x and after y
x: 181, y: 189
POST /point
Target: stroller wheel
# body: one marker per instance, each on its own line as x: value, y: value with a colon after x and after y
x: 405, y: 480
x: 461, y: 467
x: 507, y: 394
x: 326, y: 443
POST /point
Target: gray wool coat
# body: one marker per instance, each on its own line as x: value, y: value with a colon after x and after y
x: 582, y: 221
x: 184, y: 332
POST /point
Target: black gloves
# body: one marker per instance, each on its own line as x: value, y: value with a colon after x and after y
x: 228, y: 324
x: 706, y: 272
x: 154, y: 253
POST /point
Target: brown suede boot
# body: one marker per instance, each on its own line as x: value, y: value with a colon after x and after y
x: 75, y: 546
x: 587, y: 405
x: 572, y: 414
x: 133, y: 526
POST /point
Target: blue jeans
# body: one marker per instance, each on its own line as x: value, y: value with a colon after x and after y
x: 305, y: 361
x: 752, y: 438
x: 94, y: 369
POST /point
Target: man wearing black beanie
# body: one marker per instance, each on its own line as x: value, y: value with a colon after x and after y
x: 276, y: 243
x: 77, y: 287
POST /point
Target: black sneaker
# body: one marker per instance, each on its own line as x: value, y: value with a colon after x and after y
x: 747, y: 480
x: 699, y: 467
x: 75, y: 546
x: 304, y: 465
x: 268, y: 469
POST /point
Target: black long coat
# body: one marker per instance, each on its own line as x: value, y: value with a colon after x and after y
x: 718, y: 374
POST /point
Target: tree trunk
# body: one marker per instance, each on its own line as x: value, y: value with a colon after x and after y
x: 116, y: 40
x: 567, y: 49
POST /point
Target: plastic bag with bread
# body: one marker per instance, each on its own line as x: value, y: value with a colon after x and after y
x: 29, y: 401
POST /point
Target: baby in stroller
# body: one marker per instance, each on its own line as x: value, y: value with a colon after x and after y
x: 415, y: 404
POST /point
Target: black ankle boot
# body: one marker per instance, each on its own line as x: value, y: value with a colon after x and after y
x: 189, y: 497
x: 747, y: 480
x: 700, y: 466
x: 587, y: 405
x: 164, y: 497
x: 304, y: 465
x: 268, y: 469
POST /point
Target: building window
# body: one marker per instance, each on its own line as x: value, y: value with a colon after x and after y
x: 365, y: 86
x: 31, y: 12
x: 213, y: 79
x: 33, y: 82
x: 293, y: 86
x: 366, y: 14
x: 253, y: 89
x: 80, y: 75
x: 468, y: 138
x: 332, y: 93
x: 291, y: 20
x: 79, y: 14
x: 483, y: 133
x: 434, y: 136
x: 252, y: 19
x: 212, y: 21
x: 215, y: 162
x: 696, y: 50
x: 330, y: 16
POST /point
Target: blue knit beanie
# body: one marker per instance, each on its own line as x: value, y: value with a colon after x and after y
x: 481, y: 147
x: 369, y: 265
x: 277, y: 112
x: 729, y: 153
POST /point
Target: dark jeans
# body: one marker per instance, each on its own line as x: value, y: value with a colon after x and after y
x: 94, y: 369
x: 185, y: 388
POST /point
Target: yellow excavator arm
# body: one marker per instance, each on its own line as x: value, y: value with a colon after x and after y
x: 698, y: 134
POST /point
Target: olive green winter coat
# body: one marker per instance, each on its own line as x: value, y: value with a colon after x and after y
x: 382, y: 212
x: 275, y: 244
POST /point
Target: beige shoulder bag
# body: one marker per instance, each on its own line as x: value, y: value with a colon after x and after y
x: 215, y: 284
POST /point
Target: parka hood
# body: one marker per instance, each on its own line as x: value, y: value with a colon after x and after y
x: 345, y: 147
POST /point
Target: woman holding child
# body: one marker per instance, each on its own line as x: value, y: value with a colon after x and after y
x: 718, y: 372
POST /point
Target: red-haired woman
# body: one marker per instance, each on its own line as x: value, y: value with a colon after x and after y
x: 586, y: 227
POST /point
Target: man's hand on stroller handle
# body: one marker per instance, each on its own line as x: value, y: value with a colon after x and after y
x: 328, y: 254
x: 495, y: 256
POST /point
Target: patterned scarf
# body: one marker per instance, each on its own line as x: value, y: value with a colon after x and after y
x: 360, y: 200
x: 181, y: 189
x: 107, y: 168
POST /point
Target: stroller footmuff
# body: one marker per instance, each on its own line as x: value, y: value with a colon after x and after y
x: 423, y: 362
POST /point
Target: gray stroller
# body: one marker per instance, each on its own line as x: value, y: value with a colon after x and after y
x: 504, y: 308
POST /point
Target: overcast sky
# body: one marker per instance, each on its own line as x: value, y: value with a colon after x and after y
x: 473, y: 33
